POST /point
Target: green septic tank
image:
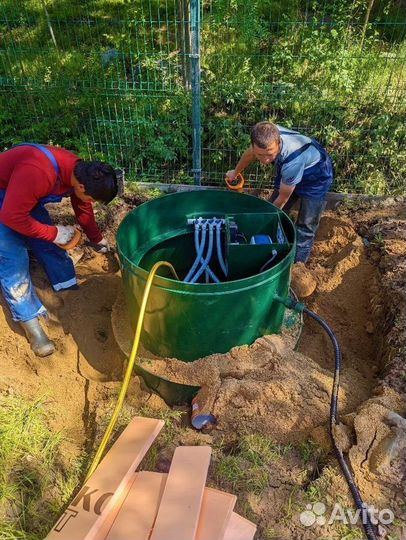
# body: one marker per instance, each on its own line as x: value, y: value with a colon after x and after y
x: 191, y: 320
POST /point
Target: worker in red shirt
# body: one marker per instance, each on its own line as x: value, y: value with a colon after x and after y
x: 32, y: 175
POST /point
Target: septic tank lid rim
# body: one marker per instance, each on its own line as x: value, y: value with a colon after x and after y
x: 228, y: 192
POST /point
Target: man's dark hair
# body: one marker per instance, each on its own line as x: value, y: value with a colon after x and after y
x: 99, y: 179
x: 264, y: 133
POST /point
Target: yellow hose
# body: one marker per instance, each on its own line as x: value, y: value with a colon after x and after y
x: 130, y: 366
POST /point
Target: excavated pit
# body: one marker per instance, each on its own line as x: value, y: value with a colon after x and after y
x: 266, y: 388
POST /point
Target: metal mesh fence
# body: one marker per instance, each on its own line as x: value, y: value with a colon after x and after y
x: 111, y: 79
x: 333, y: 70
x: 108, y: 79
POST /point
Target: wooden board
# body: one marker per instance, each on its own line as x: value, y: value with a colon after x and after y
x: 137, y: 515
x: 138, y: 512
x: 97, y: 501
x: 178, y: 514
x: 215, y: 514
x: 239, y: 528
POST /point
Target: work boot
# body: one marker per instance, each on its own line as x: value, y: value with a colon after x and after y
x: 303, y: 282
x: 40, y: 344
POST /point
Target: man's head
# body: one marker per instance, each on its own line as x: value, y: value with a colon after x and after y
x: 94, y: 181
x: 266, y: 142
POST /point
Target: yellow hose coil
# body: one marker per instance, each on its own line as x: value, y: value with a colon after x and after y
x: 130, y: 366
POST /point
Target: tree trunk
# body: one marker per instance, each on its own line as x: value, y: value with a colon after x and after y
x: 366, y: 21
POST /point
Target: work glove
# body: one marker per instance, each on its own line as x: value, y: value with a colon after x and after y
x: 64, y: 235
x: 101, y: 247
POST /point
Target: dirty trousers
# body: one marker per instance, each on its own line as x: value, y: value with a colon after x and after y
x: 307, y: 222
x: 15, y: 277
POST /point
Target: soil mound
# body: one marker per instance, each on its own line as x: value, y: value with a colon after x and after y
x: 303, y: 282
x: 264, y: 388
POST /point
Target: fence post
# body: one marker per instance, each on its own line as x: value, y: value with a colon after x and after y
x: 196, y: 91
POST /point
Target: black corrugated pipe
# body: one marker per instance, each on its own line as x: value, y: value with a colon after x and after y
x: 368, y: 526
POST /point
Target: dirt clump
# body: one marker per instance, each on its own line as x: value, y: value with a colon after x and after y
x: 303, y: 282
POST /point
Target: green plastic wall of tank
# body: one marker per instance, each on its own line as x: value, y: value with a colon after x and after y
x: 188, y: 321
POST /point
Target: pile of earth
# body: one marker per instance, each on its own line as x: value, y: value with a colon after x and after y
x: 265, y: 388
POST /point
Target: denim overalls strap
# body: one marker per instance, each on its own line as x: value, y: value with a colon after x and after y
x: 45, y: 151
x: 296, y: 153
x: 316, y: 180
x: 51, y: 198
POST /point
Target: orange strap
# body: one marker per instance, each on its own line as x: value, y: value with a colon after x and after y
x: 236, y: 187
x: 73, y: 242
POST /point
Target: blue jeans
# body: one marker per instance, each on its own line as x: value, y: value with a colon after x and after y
x: 307, y: 222
x: 15, y: 278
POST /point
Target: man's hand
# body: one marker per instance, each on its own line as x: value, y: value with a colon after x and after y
x: 231, y: 175
x: 102, y: 246
x: 285, y: 192
x: 64, y: 235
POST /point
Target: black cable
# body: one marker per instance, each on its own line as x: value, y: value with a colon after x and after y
x: 368, y: 526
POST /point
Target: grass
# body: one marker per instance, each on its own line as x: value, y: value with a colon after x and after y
x: 246, y: 465
x: 350, y: 532
x: 320, y: 489
x: 314, y: 493
x: 9, y: 532
x: 150, y: 460
x: 308, y: 450
x: 170, y: 417
x: 143, y: 194
x: 165, y: 439
x: 292, y: 507
x: 260, y: 450
x: 378, y: 240
x: 229, y: 468
x: 33, y: 484
x: 269, y: 533
x: 349, y: 98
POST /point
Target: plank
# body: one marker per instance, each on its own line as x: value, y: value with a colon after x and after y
x: 138, y: 512
x: 87, y: 515
x: 178, y: 514
x: 146, y: 437
x: 215, y: 514
x: 239, y: 528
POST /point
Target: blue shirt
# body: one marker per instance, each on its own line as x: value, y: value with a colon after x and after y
x: 292, y: 172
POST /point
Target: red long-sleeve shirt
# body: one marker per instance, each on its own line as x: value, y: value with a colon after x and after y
x: 27, y: 175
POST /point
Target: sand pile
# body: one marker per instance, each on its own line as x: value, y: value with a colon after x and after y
x: 266, y: 387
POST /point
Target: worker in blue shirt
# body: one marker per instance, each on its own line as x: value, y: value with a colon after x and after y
x: 304, y: 173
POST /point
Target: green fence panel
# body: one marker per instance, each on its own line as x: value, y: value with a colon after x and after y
x: 111, y: 79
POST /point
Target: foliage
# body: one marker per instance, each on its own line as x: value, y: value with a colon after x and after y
x: 33, y: 483
x: 114, y: 86
x: 314, y: 77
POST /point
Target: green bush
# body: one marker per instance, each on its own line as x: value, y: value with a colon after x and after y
x: 114, y: 87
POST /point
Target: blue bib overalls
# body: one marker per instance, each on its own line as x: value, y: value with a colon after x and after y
x: 15, y: 278
x: 311, y: 191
